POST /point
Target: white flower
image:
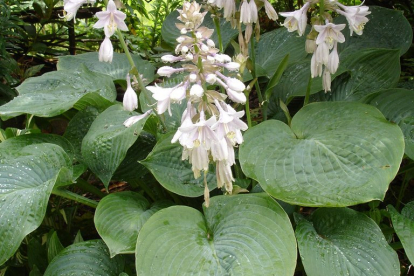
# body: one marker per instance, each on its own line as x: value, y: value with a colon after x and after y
x: 186, y: 120
x: 130, y: 101
x: 310, y: 46
x: 106, y: 50
x: 229, y: 9
x: 232, y: 66
x: 162, y: 95
x: 167, y: 71
x: 71, y: 7
x: 196, y: 90
x: 316, y: 67
x: 210, y: 43
x: 111, y: 19
x: 211, y: 78
x: 270, y: 11
x: 296, y: 20
x: 178, y: 93
x: 356, y: 17
x: 170, y: 58
x: 333, y: 60
x: 134, y: 119
x: 224, y: 176
x: 326, y: 80
x: 229, y: 124
x: 237, y: 97
x: 231, y: 83
x: 329, y: 33
x: 322, y: 53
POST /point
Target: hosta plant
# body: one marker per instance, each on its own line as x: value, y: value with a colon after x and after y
x: 245, y: 154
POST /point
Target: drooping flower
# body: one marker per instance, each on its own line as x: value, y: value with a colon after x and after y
x: 134, y: 119
x: 229, y: 124
x: 326, y: 80
x: 71, y: 7
x: 106, y: 50
x: 130, y: 101
x: 329, y: 33
x: 296, y: 20
x: 333, y: 60
x: 356, y: 17
x: 111, y: 19
x: 270, y: 11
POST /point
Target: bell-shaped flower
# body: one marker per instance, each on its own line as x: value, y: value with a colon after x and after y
x: 270, y: 11
x: 356, y: 17
x: 296, y: 20
x: 71, y: 7
x: 329, y: 33
x: 235, y: 96
x: 130, y: 101
x: 322, y: 53
x: 162, y: 96
x: 333, y: 60
x: 111, y: 19
x: 186, y: 121
x: 316, y: 67
x: 224, y: 176
x: 229, y: 124
x: 134, y: 119
x: 229, y: 9
x: 326, y: 80
x: 106, y: 50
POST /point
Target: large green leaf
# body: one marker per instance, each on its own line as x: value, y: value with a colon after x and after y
x: 341, y: 241
x: 78, y: 128
x: 27, y: 177
x: 120, y: 216
x: 18, y: 142
x: 108, y: 140
x: 118, y: 69
x: 369, y: 71
x: 397, y: 106
x: 85, y: 258
x: 274, y: 46
x: 238, y: 235
x: 386, y: 28
x: 56, y: 92
x: 404, y: 227
x: 130, y: 168
x: 175, y: 174
x: 170, y: 32
x: 334, y: 154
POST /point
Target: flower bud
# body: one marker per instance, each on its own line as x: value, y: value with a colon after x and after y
x: 183, y: 31
x: 235, y: 84
x: 210, y: 43
x: 106, y: 51
x: 196, y: 90
x: 310, y: 46
x: 130, y: 101
x: 211, y: 78
x: 193, y: 77
x: 170, y: 58
x: 167, y: 71
x: 232, y: 66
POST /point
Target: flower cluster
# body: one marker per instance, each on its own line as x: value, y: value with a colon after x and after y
x: 323, y: 39
x: 210, y: 128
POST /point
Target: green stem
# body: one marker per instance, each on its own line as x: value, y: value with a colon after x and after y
x: 256, y: 85
x: 75, y: 197
x: 84, y: 185
x: 308, y: 91
x: 247, y: 107
x: 404, y: 185
x: 217, y: 25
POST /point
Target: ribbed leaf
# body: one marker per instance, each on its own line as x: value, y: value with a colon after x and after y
x: 56, y: 92
x: 404, y: 227
x: 117, y: 69
x: 175, y: 174
x: 341, y: 241
x: 238, y: 235
x: 27, y: 177
x: 120, y: 216
x: 397, y: 106
x: 54, y: 246
x: 108, y: 140
x: 334, y: 154
x: 85, y: 258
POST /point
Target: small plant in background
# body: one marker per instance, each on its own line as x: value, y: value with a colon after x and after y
x: 329, y: 176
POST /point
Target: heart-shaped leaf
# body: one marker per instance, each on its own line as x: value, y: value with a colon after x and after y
x: 238, y: 235
x: 341, y: 241
x: 369, y: 71
x: 175, y: 174
x: 397, y: 106
x: 56, y: 92
x: 108, y: 140
x: 117, y: 69
x: 27, y: 177
x: 334, y: 154
x: 85, y: 258
x: 404, y: 227
x: 275, y: 45
x: 120, y: 216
